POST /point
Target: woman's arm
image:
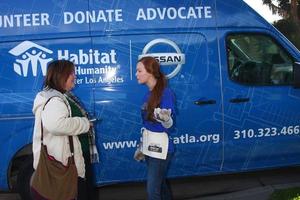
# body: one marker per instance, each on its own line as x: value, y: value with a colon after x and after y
x: 165, y: 113
x: 56, y: 120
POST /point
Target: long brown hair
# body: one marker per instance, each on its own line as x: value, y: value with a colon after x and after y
x: 58, y: 72
x: 152, y: 67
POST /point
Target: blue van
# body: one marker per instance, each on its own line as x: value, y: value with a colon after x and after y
x: 234, y: 75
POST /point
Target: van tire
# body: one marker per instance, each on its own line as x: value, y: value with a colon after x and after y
x: 23, y: 181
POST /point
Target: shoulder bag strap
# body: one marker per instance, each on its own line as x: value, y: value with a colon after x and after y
x: 71, y: 149
x: 42, y: 129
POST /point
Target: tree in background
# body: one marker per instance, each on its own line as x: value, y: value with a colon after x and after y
x: 289, y: 10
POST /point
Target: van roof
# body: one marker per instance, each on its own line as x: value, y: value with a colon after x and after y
x: 237, y: 13
x: 42, y: 19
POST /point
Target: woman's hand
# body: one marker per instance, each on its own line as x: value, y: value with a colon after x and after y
x: 163, y: 116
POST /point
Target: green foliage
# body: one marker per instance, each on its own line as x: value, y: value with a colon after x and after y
x: 283, y: 7
x: 290, y: 30
x: 287, y: 194
x: 285, y: 26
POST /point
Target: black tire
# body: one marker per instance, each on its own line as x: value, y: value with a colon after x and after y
x: 23, y: 181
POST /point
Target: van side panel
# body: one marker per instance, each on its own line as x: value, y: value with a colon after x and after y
x: 198, y: 138
x: 153, y: 15
x: 22, y: 73
x: 220, y: 123
x: 16, y: 96
x: 40, y: 19
x: 262, y: 131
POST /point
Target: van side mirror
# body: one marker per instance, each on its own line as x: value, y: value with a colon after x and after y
x: 296, y: 75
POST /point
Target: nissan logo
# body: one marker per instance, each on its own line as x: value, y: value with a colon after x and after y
x: 175, y: 58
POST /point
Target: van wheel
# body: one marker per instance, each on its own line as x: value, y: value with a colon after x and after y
x: 23, y: 181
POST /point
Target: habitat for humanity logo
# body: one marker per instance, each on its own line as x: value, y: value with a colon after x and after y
x: 29, y: 55
x: 169, y: 58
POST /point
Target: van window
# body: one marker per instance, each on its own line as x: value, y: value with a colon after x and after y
x: 258, y: 60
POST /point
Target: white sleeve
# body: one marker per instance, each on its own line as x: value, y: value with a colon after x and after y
x: 56, y: 120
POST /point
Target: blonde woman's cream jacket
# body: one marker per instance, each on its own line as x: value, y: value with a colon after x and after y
x: 57, y: 126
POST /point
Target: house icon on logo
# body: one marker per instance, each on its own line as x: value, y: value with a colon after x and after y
x: 30, y: 54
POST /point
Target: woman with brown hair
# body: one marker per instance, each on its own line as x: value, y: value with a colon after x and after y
x: 158, y: 112
x: 61, y: 117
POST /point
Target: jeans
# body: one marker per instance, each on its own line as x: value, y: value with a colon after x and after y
x: 157, y: 188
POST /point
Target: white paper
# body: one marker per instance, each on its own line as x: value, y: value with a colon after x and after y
x: 155, y: 144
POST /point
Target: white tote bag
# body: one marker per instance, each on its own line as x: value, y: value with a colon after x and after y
x: 155, y: 144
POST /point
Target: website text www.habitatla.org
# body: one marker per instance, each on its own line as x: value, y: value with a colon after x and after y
x: 182, y: 139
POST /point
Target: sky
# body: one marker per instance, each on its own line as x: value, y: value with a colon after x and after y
x: 263, y: 10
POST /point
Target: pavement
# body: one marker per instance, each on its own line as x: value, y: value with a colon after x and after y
x: 257, y: 186
x: 246, y: 186
x: 258, y: 193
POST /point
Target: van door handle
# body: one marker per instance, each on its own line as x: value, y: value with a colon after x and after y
x: 239, y: 100
x: 204, y: 102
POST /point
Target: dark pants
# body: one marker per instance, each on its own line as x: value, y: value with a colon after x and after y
x: 83, y: 193
x: 86, y: 188
x: 157, y: 187
x: 35, y: 195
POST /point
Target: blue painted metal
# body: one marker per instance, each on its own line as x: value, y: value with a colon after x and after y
x: 105, y: 40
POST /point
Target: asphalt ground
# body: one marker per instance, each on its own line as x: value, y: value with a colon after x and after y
x: 245, y: 186
x: 252, y: 185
